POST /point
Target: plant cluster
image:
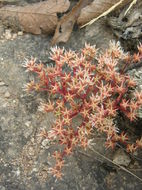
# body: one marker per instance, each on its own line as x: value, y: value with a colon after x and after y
x: 89, y: 85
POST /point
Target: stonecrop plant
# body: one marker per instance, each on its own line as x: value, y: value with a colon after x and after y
x: 89, y: 85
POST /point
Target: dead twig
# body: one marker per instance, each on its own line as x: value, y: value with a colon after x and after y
x: 104, y: 13
x: 130, y: 6
x: 121, y: 167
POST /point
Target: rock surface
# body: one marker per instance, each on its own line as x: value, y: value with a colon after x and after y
x: 121, y: 158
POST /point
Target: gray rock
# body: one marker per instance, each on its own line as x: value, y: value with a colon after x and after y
x: 121, y: 158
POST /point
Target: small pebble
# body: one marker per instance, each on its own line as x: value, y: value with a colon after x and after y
x: 14, y: 36
x: 5, y: 105
x: 7, y: 94
x: 28, y: 123
x: 2, y: 83
x: 31, y: 151
x: 8, y: 34
x: 45, y: 143
x: 20, y: 33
